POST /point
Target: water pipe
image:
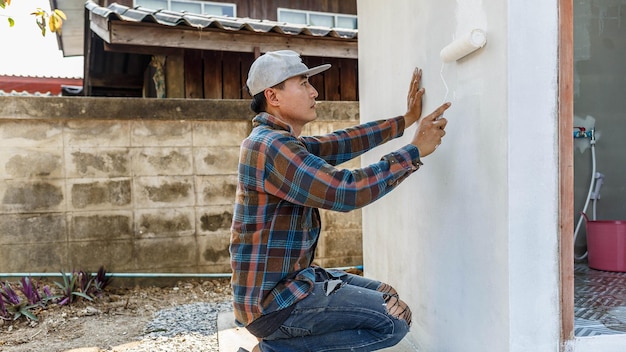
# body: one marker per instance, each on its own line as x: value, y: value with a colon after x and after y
x: 595, y: 196
x: 152, y: 275
x: 583, y: 133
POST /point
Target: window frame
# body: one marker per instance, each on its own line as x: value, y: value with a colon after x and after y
x: 308, y: 14
x: 233, y: 6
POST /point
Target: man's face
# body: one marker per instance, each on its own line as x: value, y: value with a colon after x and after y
x: 296, y: 102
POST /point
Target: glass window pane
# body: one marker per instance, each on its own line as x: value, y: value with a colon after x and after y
x: 321, y: 20
x: 152, y: 4
x: 346, y: 22
x: 292, y: 17
x: 193, y: 7
x: 219, y: 10
x: 228, y: 11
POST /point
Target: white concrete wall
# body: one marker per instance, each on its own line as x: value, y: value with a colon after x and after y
x: 470, y: 242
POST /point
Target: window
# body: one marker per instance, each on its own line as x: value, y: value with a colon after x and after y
x: 323, y: 19
x: 201, y: 7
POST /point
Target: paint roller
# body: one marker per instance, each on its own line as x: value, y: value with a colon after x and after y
x: 460, y: 48
x: 464, y: 45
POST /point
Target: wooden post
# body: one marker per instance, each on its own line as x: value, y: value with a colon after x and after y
x: 566, y: 166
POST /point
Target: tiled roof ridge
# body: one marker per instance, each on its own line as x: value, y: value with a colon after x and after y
x: 40, y: 76
x: 25, y: 93
x: 200, y: 21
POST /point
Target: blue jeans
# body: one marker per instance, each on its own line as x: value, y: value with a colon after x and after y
x: 352, y: 318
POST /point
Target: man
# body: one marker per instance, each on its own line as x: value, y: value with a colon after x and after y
x: 284, y: 178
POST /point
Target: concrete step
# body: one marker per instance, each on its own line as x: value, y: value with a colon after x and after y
x: 230, y: 337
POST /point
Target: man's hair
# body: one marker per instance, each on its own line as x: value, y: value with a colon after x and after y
x: 259, y: 104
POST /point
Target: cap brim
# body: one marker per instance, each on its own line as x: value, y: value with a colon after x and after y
x: 315, y: 70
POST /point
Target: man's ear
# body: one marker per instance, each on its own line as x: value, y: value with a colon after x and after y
x: 270, y: 97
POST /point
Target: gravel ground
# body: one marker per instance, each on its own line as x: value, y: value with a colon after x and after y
x: 128, y: 318
x: 188, y: 327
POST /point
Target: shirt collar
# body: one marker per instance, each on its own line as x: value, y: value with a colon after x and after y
x: 270, y: 121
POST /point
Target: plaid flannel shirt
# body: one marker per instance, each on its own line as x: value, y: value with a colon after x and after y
x: 282, y: 182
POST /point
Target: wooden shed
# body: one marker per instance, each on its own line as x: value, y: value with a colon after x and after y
x: 142, y: 52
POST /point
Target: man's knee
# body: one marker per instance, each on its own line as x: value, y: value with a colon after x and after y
x: 397, y: 308
x: 387, y: 289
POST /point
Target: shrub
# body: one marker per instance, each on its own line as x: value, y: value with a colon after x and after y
x: 15, y: 304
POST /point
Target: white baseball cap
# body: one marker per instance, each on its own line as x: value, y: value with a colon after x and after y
x: 275, y: 67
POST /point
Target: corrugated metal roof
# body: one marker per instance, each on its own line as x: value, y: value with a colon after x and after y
x: 14, y: 93
x: 173, y: 18
x: 10, y: 84
x: 43, y: 77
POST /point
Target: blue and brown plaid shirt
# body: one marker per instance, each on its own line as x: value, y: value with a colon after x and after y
x: 283, y: 180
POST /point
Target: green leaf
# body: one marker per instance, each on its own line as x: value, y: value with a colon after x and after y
x: 17, y: 315
x: 47, y: 299
x: 61, y: 286
x: 11, y: 22
x: 82, y: 295
x: 26, y: 312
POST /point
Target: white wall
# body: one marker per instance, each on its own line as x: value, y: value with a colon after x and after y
x: 470, y: 241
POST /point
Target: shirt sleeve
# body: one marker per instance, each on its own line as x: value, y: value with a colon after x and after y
x: 347, y: 144
x: 295, y: 174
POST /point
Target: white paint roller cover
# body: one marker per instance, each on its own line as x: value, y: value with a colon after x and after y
x: 464, y: 45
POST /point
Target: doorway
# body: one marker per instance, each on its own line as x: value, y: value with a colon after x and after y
x: 592, y: 79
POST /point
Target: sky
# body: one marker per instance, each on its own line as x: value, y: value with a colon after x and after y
x: 25, y: 52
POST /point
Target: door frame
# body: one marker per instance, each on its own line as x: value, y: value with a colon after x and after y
x: 566, y: 166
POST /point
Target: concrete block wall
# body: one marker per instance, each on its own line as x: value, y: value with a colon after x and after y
x: 136, y: 185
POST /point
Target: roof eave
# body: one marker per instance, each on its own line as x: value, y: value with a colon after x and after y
x: 143, y: 34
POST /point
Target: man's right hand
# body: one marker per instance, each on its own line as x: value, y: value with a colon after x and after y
x: 430, y: 131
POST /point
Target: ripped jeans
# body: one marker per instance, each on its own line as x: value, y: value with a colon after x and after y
x: 344, y: 312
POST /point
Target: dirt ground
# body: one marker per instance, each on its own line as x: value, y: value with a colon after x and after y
x: 118, y: 317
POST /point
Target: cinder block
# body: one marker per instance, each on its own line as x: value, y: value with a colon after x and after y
x: 31, y: 163
x: 162, y: 161
x: 34, y: 257
x: 32, y: 228
x: 216, y: 160
x: 340, y: 243
x: 159, y: 223
x: 161, y: 253
x: 100, y: 194
x: 334, y: 220
x: 98, y: 162
x: 97, y: 133
x: 34, y: 195
x: 213, y: 249
x: 216, y: 190
x: 165, y: 191
x: 31, y: 133
x: 220, y: 133
x: 213, y: 218
x: 344, y: 111
x: 99, y: 226
x: 114, y: 255
x: 321, y: 127
x: 160, y: 133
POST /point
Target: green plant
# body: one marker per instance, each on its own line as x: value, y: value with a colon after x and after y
x: 30, y: 290
x: 14, y: 306
x: 100, y: 282
x: 74, y: 286
x: 30, y: 295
